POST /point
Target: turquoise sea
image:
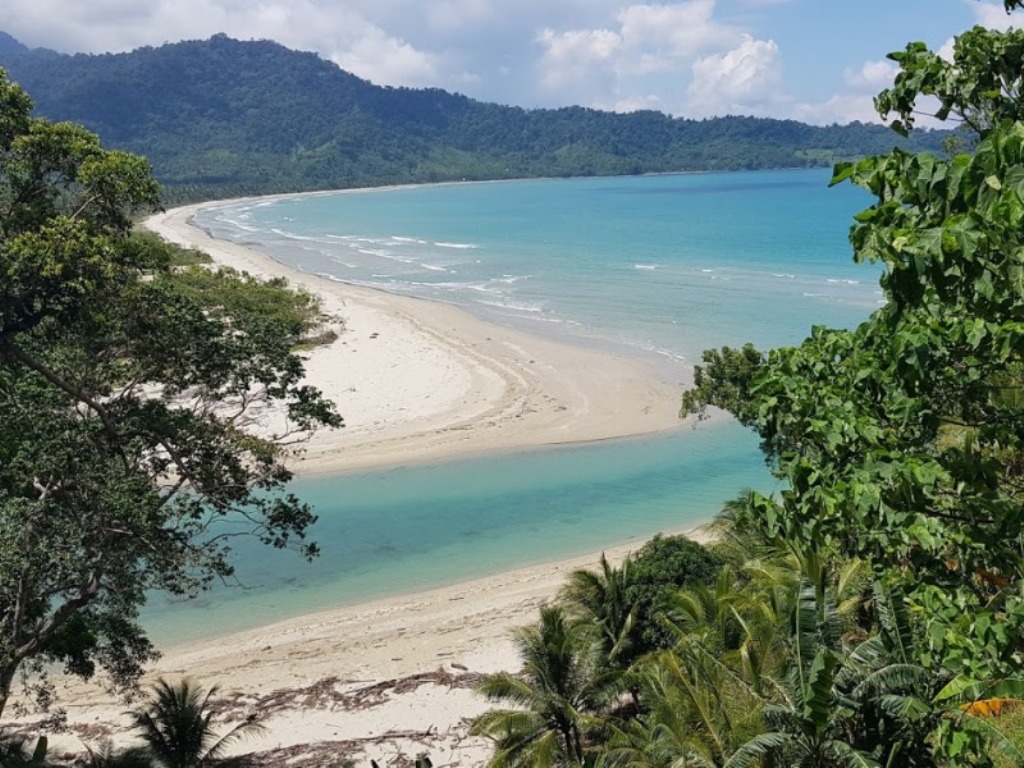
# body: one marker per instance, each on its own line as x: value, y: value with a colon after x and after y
x: 656, y: 267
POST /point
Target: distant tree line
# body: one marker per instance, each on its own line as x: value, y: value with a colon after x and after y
x: 867, y: 612
x: 223, y: 117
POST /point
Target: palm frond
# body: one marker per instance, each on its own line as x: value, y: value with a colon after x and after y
x: 761, y: 745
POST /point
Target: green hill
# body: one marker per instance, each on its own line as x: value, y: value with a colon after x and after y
x: 221, y: 117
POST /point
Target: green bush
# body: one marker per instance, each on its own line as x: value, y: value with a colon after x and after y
x: 657, y: 571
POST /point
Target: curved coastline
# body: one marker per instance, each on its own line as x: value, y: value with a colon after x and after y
x: 418, y: 380
x: 386, y: 678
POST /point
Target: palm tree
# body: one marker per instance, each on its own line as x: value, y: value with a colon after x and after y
x: 741, y: 663
x: 177, y: 726
x: 805, y: 733
x: 737, y: 621
x: 563, y: 688
x: 601, y: 598
x: 810, y: 726
x: 736, y: 539
x: 15, y: 752
x: 698, y: 713
x: 704, y: 696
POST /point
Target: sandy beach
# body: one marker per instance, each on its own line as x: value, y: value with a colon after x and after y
x: 384, y: 680
x: 415, y: 381
x: 418, y: 380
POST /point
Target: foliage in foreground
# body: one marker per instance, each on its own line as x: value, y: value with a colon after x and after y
x: 871, y: 612
x: 900, y: 441
x: 176, y: 725
x: 781, y: 658
x: 127, y: 463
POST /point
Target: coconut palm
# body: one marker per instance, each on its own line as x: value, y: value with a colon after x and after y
x: 735, y: 539
x: 810, y: 726
x: 740, y: 658
x: 704, y: 696
x: 804, y: 734
x: 177, y: 726
x: 106, y: 756
x: 738, y: 622
x: 563, y: 688
x: 16, y: 753
x: 601, y: 598
x: 698, y: 712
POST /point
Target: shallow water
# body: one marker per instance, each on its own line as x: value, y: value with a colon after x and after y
x: 665, y: 265
x: 657, y: 267
x: 395, y: 531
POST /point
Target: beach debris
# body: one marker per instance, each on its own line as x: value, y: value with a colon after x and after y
x: 336, y: 694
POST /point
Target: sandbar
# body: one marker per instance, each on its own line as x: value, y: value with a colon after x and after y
x: 415, y: 381
x: 418, y: 380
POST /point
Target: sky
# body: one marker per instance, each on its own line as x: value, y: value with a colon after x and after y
x: 818, y: 61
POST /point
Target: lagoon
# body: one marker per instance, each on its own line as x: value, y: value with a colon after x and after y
x: 657, y: 268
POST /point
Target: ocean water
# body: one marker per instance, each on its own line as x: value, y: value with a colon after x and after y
x: 657, y: 267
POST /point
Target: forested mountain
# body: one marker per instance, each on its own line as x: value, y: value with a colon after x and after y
x: 223, y: 116
x: 8, y: 45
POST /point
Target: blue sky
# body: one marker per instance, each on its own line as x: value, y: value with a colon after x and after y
x: 813, y: 60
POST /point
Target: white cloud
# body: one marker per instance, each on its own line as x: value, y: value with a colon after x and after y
x: 744, y: 80
x: 635, y: 104
x: 639, y: 47
x: 386, y: 60
x: 947, y: 48
x: 573, y: 58
x: 683, y: 30
x: 841, y: 108
x: 580, y: 45
x: 992, y: 15
x: 872, y: 75
x: 856, y: 99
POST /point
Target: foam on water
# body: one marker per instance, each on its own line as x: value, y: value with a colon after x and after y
x: 712, y: 259
x: 458, y: 246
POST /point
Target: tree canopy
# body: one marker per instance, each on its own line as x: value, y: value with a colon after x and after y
x: 128, y: 461
x: 657, y: 571
x: 900, y: 441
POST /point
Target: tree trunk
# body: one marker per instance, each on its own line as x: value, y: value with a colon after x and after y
x: 566, y: 732
x: 577, y: 744
x: 7, y: 674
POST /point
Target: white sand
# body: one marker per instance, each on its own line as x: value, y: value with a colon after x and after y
x: 420, y: 380
x: 329, y: 667
x: 414, y: 380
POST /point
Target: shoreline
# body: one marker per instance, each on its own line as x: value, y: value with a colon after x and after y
x: 418, y: 380
x: 392, y: 677
x: 599, y: 397
x: 493, y: 604
x: 381, y: 679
